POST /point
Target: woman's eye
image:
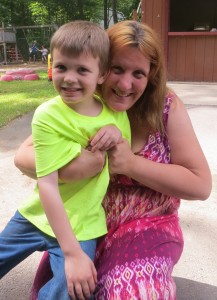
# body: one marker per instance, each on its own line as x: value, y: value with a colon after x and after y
x: 139, y: 74
x: 116, y: 69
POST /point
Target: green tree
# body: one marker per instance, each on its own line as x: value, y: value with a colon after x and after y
x: 14, y: 13
x: 127, y: 6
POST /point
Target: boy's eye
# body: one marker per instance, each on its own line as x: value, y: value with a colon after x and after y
x: 82, y: 70
x: 60, y: 67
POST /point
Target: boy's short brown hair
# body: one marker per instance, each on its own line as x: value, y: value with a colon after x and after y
x: 79, y: 37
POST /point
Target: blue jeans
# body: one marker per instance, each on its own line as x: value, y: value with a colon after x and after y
x: 20, y: 238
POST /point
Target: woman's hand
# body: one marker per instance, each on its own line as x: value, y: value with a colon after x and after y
x: 120, y: 158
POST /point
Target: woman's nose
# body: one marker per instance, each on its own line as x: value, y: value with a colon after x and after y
x: 125, y: 82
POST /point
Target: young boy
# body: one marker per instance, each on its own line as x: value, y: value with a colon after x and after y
x: 44, y: 53
x: 33, y: 52
x: 58, y: 215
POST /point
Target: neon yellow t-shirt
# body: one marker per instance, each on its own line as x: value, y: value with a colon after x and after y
x: 59, y: 133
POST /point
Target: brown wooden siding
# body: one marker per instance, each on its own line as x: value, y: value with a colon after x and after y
x: 192, y: 57
x: 155, y: 14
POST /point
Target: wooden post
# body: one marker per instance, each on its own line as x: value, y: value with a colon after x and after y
x: 4, y: 44
x: 135, y: 15
x: 143, y: 11
x: 5, y: 53
x: 16, y: 49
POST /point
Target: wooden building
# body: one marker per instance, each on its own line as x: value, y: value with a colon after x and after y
x: 188, y: 29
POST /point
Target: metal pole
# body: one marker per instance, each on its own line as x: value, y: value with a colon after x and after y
x: 5, y: 53
x: 4, y: 44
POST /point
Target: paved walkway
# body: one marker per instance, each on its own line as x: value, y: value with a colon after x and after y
x: 196, y: 273
x: 196, y: 93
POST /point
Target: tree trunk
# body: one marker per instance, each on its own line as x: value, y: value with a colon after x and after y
x: 114, y: 11
x: 105, y: 14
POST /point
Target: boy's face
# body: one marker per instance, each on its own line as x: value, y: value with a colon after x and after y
x: 75, y: 79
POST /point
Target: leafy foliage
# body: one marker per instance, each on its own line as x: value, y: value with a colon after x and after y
x: 30, y: 12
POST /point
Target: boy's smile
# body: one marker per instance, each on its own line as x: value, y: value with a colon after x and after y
x: 75, y: 79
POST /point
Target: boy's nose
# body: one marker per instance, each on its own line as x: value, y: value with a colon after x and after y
x: 70, y: 77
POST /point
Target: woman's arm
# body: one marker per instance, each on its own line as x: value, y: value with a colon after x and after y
x: 24, y: 158
x: 187, y: 177
x: 86, y: 165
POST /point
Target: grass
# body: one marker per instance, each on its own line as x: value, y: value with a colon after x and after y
x: 19, y: 97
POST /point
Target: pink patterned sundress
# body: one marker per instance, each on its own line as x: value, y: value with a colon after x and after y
x: 136, y: 258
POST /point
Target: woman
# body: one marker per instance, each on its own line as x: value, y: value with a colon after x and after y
x: 165, y: 163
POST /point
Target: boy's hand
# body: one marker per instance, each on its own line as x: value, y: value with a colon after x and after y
x: 81, y: 276
x: 106, y: 138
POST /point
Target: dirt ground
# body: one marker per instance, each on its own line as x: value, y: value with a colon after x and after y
x: 196, y: 272
x: 38, y: 65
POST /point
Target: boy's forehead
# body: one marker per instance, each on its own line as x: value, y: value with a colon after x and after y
x: 69, y: 53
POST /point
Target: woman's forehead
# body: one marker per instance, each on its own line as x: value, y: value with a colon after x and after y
x: 130, y: 56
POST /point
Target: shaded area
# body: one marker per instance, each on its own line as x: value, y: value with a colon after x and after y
x: 12, y: 135
x: 195, y: 290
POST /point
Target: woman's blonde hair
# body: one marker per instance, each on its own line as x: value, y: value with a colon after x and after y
x: 79, y: 37
x: 149, y: 108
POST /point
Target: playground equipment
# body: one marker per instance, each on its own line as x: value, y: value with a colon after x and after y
x: 15, y: 41
x: 19, y: 74
x: 8, y: 46
x: 49, y: 67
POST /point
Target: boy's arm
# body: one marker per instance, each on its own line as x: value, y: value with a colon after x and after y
x: 84, y: 279
x: 86, y: 165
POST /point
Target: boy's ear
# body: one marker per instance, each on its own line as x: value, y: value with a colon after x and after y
x: 102, y: 78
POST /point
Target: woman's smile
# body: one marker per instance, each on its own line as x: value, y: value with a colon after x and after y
x: 121, y: 94
x: 127, y: 79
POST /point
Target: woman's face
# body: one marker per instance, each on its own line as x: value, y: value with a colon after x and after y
x: 127, y: 79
